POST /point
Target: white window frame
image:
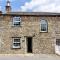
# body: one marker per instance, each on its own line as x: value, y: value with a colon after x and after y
x: 16, y: 21
x: 16, y: 42
x: 42, y: 21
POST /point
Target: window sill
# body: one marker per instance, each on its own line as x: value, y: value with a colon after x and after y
x: 16, y: 47
x: 16, y: 26
x: 43, y: 31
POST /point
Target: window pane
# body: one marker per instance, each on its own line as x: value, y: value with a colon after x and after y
x: 43, y: 27
x: 16, y: 23
x: 16, y: 44
x: 16, y: 40
x: 16, y: 18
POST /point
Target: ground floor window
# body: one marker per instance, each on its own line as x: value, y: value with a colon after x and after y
x: 16, y: 42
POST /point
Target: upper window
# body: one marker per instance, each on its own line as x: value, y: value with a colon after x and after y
x: 16, y: 42
x: 16, y: 21
x: 43, y: 26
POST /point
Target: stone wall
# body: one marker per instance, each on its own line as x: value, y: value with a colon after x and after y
x: 30, y: 26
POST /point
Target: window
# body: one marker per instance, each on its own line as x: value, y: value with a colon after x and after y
x: 58, y: 42
x: 16, y: 42
x: 16, y: 21
x: 43, y: 26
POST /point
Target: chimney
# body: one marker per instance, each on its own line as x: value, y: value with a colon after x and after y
x: 0, y: 10
x: 8, y: 7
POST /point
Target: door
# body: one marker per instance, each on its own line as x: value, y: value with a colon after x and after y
x: 57, y: 46
x: 29, y: 44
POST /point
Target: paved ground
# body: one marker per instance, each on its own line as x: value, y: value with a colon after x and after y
x: 30, y: 57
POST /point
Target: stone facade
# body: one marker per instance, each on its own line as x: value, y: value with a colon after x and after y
x: 42, y: 42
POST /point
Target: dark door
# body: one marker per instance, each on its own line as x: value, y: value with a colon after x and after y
x: 29, y: 44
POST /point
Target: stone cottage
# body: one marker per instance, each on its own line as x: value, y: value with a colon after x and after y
x: 29, y: 32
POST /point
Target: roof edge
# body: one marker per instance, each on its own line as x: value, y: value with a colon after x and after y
x: 32, y: 13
